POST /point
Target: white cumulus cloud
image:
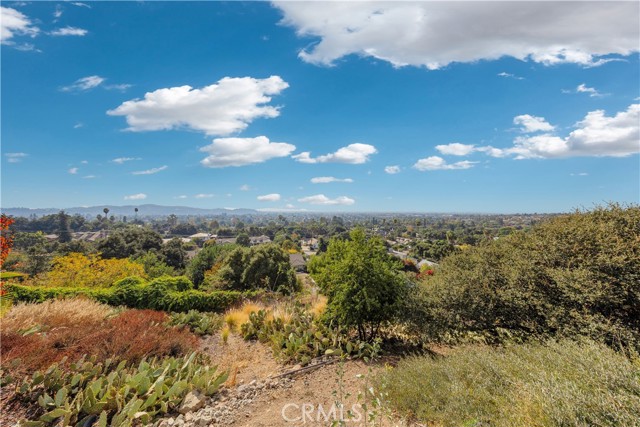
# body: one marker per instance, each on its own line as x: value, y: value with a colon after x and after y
x: 596, y: 135
x: 204, y: 196
x: 392, y: 170
x: 353, y: 153
x: 73, y: 171
x: 139, y: 196
x: 150, y: 171
x: 455, y: 149
x: 435, y: 34
x: 225, y: 152
x: 321, y: 199
x: 274, y: 197
x: 329, y: 179
x: 222, y: 108
x: 438, y: 163
x: 531, y: 123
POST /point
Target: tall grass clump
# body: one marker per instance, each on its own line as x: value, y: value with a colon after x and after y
x: 563, y: 383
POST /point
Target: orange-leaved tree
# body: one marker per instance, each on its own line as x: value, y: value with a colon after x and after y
x: 6, y: 243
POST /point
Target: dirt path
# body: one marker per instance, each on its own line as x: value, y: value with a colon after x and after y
x: 256, y: 399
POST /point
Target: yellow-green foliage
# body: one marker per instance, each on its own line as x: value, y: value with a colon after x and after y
x: 560, y: 384
x: 78, y: 270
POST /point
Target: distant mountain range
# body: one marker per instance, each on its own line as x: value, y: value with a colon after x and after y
x: 143, y: 210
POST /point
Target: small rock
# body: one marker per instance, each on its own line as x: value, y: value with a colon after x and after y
x: 192, y: 402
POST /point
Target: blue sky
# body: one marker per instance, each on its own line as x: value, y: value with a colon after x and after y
x: 390, y: 107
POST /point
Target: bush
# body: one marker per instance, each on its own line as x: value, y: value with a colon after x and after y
x: 199, y: 323
x: 157, y: 295
x: 38, y: 335
x: 261, y: 267
x: 563, y: 383
x: 573, y: 275
x: 362, y: 283
x: 78, y: 270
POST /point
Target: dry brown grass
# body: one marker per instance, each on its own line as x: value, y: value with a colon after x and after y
x: 319, y: 306
x: 55, y: 314
x: 234, y: 319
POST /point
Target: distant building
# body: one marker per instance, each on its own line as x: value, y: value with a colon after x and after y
x: 258, y: 240
x: 51, y: 237
x: 298, y: 263
x: 204, y: 236
x: 90, y: 236
x: 226, y: 241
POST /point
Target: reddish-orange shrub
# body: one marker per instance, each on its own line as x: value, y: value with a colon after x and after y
x: 131, y: 335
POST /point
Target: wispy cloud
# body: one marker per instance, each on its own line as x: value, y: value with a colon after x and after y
x: 121, y: 160
x: 510, y: 76
x: 73, y: 171
x: 15, y: 157
x: 85, y: 83
x: 245, y: 187
x: 14, y: 23
x: 150, y: 171
x: 593, y: 92
x: 329, y: 179
x: 274, y: 197
x: 69, y: 31
x: 204, y: 196
x: 91, y: 82
x: 321, y: 199
x: 139, y: 196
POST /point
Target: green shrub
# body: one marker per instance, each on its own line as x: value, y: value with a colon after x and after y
x: 303, y: 337
x: 362, y: 283
x: 563, y: 383
x: 261, y: 267
x: 572, y: 275
x: 199, y: 323
x: 155, y: 296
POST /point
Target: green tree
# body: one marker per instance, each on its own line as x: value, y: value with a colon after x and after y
x: 362, y: 283
x: 64, y: 230
x: 174, y: 254
x: 243, y: 240
x: 205, y: 260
